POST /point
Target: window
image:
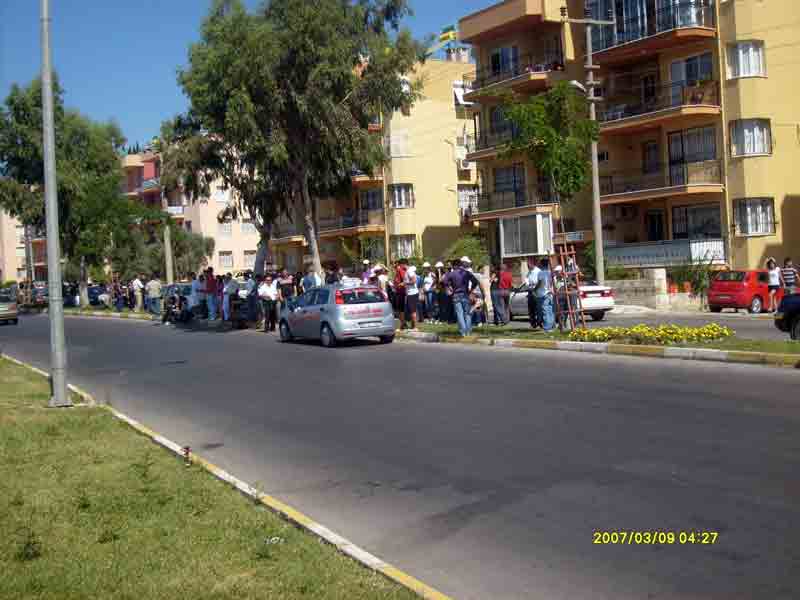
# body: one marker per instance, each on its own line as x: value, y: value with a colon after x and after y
x: 249, y: 259
x: 321, y: 297
x: 370, y: 199
x: 226, y: 260
x: 509, y: 179
x: 750, y: 136
x: 248, y: 227
x: 497, y: 120
x: 21, y: 251
x: 602, y: 156
x: 526, y: 236
x: 746, y: 59
x: 696, y: 222
x: 755, y: 216
x: 403, y: 246
x: 650, y: 158
x: 20, y: 232
x: 225, y: 229
x: 467, y: 199
x: 400, y: 144
x: 503, y: 60
x: 402, y: 195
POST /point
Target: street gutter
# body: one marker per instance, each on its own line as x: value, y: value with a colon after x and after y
x: 698, y: 354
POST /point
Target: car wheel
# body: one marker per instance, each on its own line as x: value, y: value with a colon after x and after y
x: 326, y: 336
x: 715, y: 309
x: 756, y: 305
x: 286, y: 333
x: 598, y: 316
x: 387, y: 339
x: 795, y: 330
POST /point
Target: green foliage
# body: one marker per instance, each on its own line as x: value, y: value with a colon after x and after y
x: 281, y: 100
x: 91, y: 209
x: 553, y: 130
x: 698, y: 275
x: 471, y: 246
x: 613, y: 272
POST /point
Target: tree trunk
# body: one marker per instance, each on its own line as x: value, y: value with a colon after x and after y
x: 84, y: 284
x: 262, y: 253
x: 311, y: 230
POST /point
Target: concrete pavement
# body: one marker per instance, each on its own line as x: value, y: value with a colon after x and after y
x: 482, y: 473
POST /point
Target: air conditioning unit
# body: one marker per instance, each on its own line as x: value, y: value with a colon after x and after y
x: 465, y: 165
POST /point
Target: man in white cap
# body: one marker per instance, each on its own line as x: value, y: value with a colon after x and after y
x: 412, y: 295
x: 467, y: 263
x: 367, y: 271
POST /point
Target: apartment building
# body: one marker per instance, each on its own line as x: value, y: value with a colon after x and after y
x: 12, y: 251
x: 698, y: 119
x: 236, y: 242
x: 421, y: 200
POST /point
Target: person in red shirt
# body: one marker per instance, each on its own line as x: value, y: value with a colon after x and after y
x: 211, y: 294
x: 504, y: 284
x: 400, y: 290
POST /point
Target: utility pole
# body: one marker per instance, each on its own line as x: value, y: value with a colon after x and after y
x: 168, y: 252
x: 58, y: 349
x: 597, y: 214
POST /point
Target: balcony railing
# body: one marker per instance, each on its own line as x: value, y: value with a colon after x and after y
x: 150, y: 184
x: 285, y: 230
x: 676, y: 15
x: 531, y: 63
x: 661, y: 176
x: 668, y: 253
x: 529, y: 196
x: 498, y: 135
x: 642, y: 102
x: 362, y: 218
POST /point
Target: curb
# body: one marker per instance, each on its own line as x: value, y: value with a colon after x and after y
x: 284, y: 510
x: 696, y: 354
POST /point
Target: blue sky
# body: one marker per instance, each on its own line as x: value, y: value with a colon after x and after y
x: 117, y: 60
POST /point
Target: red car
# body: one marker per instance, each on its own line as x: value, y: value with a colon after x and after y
x: 740, y: 289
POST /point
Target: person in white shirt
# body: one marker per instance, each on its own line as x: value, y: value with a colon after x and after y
x: 544, y: 295
x: 428, y: 283
x: 194, y: 295
x: 268, y: 293
x: 138, y: 293
x: 531, y: 280
x: 231, y: 289
x: 412, y: 295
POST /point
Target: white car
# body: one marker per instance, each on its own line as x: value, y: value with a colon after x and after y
x: 596, y: 301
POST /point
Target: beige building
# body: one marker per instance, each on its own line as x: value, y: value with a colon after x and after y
x: 699, y: 125
x: 12, y: 251
x: 235, y: 241
x: 421, y: 200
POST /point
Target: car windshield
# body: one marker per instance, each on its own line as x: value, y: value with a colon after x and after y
x: 362, y: 296
x: 5, y: 296
x: 731, y: 276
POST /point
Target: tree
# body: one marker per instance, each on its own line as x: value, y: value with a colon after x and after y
x: 470, y: 246
x: 554, y: 131
x: 91, y: 208
x: 281, y: 100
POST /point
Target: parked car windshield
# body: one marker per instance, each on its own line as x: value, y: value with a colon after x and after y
x: 731, y: 276
x: 362, y: 296
x: 5, y: 296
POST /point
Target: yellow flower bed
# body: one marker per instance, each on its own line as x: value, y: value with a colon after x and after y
x: 663, y: 335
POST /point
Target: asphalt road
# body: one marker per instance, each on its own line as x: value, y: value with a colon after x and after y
x: 745, y: 326
x: 483, y: 472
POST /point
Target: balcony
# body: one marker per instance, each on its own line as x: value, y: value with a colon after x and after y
x: 364, y: 221
x: 528, y: 73
x: 649, y: 31
x: 662, y: 180
x: 360, y: 177
x: 492, y: 205
x: 628, y: 112
x: 500, y: 20
x: 668, y: 253
x: 149, y: 185
x: 287, y: 233
x: 486, y: 143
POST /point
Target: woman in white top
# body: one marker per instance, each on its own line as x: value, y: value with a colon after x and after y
x: 412, y: 295
x: 775, y: 283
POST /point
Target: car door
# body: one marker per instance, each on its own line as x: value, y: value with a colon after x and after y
x: 297, y: 316
x: 519, y: 301
x: 316, y: 311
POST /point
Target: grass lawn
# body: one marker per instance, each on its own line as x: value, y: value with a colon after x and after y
x: 91, y: 509
x: 733, y: 343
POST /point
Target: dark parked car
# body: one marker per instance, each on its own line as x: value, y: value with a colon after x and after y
x: 94, y: 292
x: 788, y: 316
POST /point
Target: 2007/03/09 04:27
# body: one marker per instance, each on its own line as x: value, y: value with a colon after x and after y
x: 630, y: 537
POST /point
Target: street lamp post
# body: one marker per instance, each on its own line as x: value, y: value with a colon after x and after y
x: 597, y: 215
x: 58, y: 350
